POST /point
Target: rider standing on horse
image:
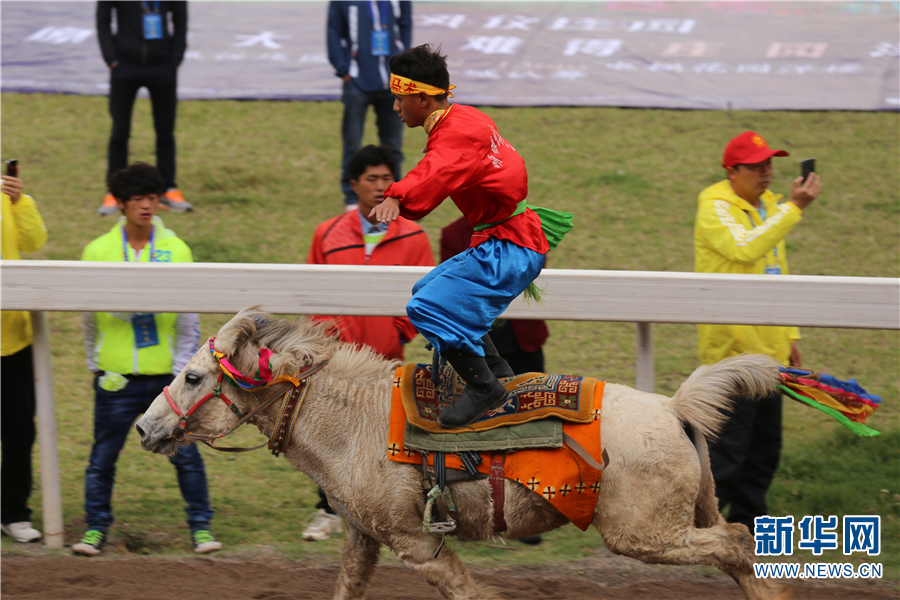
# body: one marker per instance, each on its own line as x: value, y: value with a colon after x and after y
x: 466, y: 159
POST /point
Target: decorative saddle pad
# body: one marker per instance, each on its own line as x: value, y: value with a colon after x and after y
x: 562, y: 477
x: 530, y: 396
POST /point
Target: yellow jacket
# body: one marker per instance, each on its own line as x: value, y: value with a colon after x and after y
x: 730, y: 236
x: 21, y: 230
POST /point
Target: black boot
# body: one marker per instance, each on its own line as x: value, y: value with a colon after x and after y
x: 496, y: 363
x: 483, y: 391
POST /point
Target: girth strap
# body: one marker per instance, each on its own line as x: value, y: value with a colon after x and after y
x: 497, y: 483
x: 585, y: 456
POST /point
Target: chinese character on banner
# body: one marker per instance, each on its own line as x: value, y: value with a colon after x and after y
x: 449, y: 21
x: 754, y: 68
x: 658, y: 67
x: 692, y: 49
x: 845, y: 69
x: 266, y: 39
x: 713, y: 67
x: 582, y: 24
x: 885, y: 49
x: 774, y: 535
x: 594, y: 47
x: 796, y: 50
x: 796, y: 69
x: 662, y: 26
x: 496, y: 44
x: 483, y: 73
x: 572, y: 74
x: 621, y: 65
x: 60, y: 35
x: 516, y: 22
x: 816, y: 534
x: 862, y: 534
x: 525, y: 75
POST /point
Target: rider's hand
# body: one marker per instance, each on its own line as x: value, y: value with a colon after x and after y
x: 12, y: 187
x: 387, y: 211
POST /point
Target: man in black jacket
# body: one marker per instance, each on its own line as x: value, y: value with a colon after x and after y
x: 145, y: 51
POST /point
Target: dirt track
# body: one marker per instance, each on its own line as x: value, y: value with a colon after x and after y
x: 226, y: 577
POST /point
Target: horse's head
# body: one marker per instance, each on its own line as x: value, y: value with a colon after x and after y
x: 199, y: 401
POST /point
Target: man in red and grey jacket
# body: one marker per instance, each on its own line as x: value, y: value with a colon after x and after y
x: 354, y: 238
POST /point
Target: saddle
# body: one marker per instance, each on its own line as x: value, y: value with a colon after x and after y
x: 545, y: 437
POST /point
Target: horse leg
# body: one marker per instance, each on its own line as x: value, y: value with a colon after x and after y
x: 727, y: 546
x: 444, y: 570
x: 357, y: 565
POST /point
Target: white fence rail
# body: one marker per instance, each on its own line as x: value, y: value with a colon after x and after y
x: 632, y: 296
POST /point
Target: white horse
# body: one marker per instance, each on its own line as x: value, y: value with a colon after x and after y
x: 657, y: 501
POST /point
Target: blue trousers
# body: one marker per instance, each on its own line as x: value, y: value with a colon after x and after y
x: 456, y: 303
x: 390, y: 129
x: 114, y: 416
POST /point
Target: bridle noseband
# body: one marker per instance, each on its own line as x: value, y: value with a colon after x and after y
x: 297, y: 385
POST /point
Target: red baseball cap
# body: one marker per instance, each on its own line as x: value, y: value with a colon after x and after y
x: 748, y: 148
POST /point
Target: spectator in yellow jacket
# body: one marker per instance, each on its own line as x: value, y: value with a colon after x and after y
x: 740, y: 228
x: 22, y: 231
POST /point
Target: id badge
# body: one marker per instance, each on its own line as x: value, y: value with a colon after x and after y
x: 773, y: 270
x: 145, y: 334
x: 153, y: 26
x: 379, y: 43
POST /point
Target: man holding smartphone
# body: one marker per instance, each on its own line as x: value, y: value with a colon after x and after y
x: 740, y: 228
x: 21, y: 230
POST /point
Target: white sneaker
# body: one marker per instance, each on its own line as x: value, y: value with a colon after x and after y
x: 21, y: 531
x: 322, y: 526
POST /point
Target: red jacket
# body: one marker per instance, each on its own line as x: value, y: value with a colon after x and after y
x: 467, y: 160
x: 339, y: 241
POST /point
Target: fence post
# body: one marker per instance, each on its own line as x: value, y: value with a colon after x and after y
x: 46, y: 416
x: 645, y: 372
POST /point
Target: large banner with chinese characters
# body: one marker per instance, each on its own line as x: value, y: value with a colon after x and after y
x: 701, y: 55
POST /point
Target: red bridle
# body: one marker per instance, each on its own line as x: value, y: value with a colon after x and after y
x: 182, y: 434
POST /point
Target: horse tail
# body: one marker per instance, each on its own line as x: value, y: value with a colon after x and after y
x: 699, y: 403
x: 711, y: 389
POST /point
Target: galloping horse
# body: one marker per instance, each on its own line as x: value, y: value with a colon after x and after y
x: 656, y: 503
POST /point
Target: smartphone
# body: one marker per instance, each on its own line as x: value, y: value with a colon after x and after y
x: 12, y: 168
x: 807, y: 166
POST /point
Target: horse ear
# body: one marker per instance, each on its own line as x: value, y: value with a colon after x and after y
x: 242, y: 328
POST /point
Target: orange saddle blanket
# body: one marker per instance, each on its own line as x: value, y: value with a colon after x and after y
x: 562, y: 477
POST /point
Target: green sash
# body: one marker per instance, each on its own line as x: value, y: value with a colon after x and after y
x: 554, y: 223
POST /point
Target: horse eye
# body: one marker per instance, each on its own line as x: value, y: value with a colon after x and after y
x: 191, y: 379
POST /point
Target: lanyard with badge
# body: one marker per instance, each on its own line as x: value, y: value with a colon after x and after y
x: 153, y: 23
x: 772, y: 266
x: 380, y: 39
x: 143, y: 324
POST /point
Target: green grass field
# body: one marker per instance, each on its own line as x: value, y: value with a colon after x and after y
x: 262, y: 175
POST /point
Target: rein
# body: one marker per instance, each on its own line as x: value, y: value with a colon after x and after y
x: 298, y: 385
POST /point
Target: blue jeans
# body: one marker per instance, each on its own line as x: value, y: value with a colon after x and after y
x: 390, y: 129
x: 114, y: 416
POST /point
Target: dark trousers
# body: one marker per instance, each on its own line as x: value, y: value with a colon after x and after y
x: 161, y: 82
x: 114, y: 416
x: 390, y: 129
x: 17, y: 432
x: 746, y: 456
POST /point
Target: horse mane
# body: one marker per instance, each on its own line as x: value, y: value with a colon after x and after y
x: 295, y: 345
